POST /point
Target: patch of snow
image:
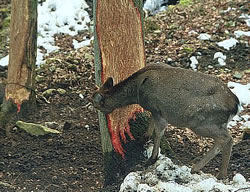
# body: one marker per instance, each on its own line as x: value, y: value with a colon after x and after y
x: 81, y: 96
x: 204, y: 36
x: 4, y: 61
x: 39, y: 58
x: 83, y: 43
x: 131, y: 182
x: 199, y: 53
x: 221, y: 58
x: 205, y: 185
x: 194, y: 63
x: 143, y: 188
x: 55, y: 17
x: 164, y: 174
x: 212, y: 184
x: 246, y: 117
x: 241, y: 91
x: 236, y: 119
x: 229, y: 9
x: 246, y: 17
x: 149, y: 150
x: 171, y: 186
x: 154, y: 6
x: 227, y: 44
x: 241, y: 33
x: 239, y: 179
x: 221, y: 62
x: 192, y: 32
x: 68, y: 17
x: 169, y: 59
x: 220, y: 55
x: 241, y: 120
x: 244, y: 125
x: 47, y: 42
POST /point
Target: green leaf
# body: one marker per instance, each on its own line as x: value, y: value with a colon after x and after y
x: 35, y: 129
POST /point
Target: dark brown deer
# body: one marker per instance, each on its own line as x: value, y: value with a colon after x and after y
x: 181, y: 97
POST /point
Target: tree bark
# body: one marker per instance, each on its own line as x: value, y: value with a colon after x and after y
x: 119, y: 52
x: 21, y: 68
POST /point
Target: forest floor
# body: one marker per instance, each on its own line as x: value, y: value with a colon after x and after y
x: 73, y: 161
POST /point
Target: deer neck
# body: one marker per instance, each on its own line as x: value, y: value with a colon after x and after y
x: 123, y: 94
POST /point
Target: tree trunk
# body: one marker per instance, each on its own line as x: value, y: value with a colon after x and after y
x: 119, y: 52
x: 21, y: 68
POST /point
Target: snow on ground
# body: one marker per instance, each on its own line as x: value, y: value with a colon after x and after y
x: 246, y: 17
x: 204, y: 36
x: 4, y: 61
x: 165, y: 176
x: 242, y: 92
x: 229, y: 9
x: 221, y: 58
x: 194, y: 63
x: 55, y: 17
x: 241, y: 33
x: 78, y: 45
x: 228, y: 43
x: 154, y: 6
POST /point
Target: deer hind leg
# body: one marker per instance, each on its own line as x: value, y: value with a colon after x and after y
x: 226, y: 153
x: 223, y: 142
x: 150, y: 130
x: 160, y: 125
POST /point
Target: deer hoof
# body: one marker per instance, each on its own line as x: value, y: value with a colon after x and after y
x: 221, y: 176
x: 150, y: 161
x: 194, y: 169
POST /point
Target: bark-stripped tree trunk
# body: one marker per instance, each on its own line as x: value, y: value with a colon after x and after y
x: 21, y: 68
x: 119, y: 52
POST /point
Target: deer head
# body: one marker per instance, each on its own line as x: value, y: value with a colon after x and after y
x: 101, y: 95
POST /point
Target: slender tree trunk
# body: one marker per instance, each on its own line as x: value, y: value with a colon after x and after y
x: 119, y: 52
x: 21, y: 69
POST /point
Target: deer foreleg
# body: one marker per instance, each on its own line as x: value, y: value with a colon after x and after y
x: 160, y: 127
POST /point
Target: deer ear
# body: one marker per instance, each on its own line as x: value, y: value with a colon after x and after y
x: 108, y: 83
x: 97, y: 98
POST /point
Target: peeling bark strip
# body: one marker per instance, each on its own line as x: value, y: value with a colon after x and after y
x: 120, y: 39
x: 23, y: 37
